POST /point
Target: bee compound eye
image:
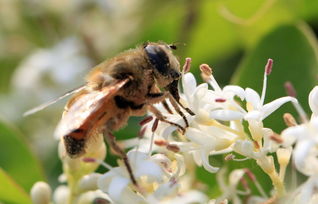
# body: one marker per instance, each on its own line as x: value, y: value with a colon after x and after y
x: 158, y: 58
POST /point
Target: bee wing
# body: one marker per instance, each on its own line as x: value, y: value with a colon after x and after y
x: 84, y: 111
x: 45, y: 105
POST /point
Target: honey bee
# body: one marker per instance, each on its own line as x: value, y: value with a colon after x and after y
x: 126, y: 85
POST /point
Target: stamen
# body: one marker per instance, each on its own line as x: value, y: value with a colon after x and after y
x: 153, y: 129
x: 232, y: 157
x: 89, y: 160
x: 161, y: 143
x: 206, y: 70
x: 292, y: 92
x: 206, y: 74
x: 173, y: 181
x: 145, y: 120
x: 92, y: 160
x: 155, y: 125
x: 269, y: 66
x: 101, y: 201
x: 187, y: 65
x: 174, y: 148
x: 268, y: 70
x: 289, y: 120
x: 141, y: 133
x: 251, y: 176
x: 256, y: 145
x: 244, y: 183
x: 290, y: 89
x: 220, y: 100
x: 229, y: 157
x: 276, y: 138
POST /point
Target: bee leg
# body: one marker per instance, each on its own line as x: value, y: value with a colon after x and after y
x: 162, y: 118
x: 186, y: 108
x: 166, y: 106
x: 176, y: 107
x: 110, y: 138
x: 156, y: 97
x: 172, y: 88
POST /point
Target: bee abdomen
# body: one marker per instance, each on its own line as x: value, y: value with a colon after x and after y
x: 74, y: 144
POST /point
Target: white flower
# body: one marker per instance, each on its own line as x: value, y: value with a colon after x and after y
x: 95, y: 148
x: 205, y: 136
x: 61, y: 195
x: 61, y: 63
x: 313, y: 101
x: 230, y: 189
x: 306, y: 193
x: 117, y: 184
x: 88, y: 182
x: 207, y: 141
x: 189, y: 197
x: 306, y: 138
x: 93, y: 197
x: 305, y: 153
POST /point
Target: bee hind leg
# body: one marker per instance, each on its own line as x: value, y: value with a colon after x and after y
x: 110, y: 138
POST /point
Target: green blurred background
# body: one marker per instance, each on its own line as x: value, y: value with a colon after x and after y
x: 48, y: 46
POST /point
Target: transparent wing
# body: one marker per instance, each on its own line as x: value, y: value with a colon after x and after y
x: 84, y: 111
x: 45, y: 105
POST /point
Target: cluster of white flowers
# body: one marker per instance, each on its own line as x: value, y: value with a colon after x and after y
x: 227, y: 121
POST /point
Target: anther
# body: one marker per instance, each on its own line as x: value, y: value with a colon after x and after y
x: 145, y: 120
x: 290, y: 89
x: 141, y: 133
x: 220, y: 100
x: 269, y: 66
x: 172, y: 147
x: 206, y: 70
x: 155, y: 125
x: 250, y: 174
x: 289, y: 120
x: 161, y: 142
x: 276, y: 138
x: 187, y: 65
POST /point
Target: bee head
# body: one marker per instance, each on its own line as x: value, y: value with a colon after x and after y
x: 165, y: 65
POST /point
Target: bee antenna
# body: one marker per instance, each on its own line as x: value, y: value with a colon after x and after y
x: 175, y: 45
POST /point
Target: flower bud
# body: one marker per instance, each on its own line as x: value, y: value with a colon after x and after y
x: 88, y: 182
x: 41, y: 193
x: 61, y: 195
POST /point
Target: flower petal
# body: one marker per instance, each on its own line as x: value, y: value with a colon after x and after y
x: 150, y: 169
x: 253, y: 98
x: 189, y: 84
x: 235, y: 176
x: 236, y: 90
x: 269, y: 108
x: 206, y: 164
x: 313, y: 100
x: 305, y: 157
x: 116, y: 187
x: 291, y: 134
x: 226, y: 115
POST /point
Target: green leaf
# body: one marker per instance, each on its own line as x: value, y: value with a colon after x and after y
x: 17, y: 158
x: 11, y: 192
x: 294, y: 51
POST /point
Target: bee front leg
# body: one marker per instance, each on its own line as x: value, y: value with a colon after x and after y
x: 162, y: 118
x: 176, y: 107
x: 110, y: 138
